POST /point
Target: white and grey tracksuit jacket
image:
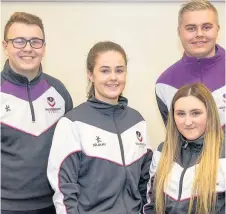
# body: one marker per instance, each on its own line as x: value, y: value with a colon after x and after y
x: 99, y: 160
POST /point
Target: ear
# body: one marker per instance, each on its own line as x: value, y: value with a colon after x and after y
x: 44, y: 50
x: 4, y: 46
x: 218, y: 26
x: 178, y: 31
x: 90, y: 76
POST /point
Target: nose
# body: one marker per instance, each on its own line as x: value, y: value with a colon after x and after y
x: 113, y: 75
x: 188, y: 121
x: 27, y: 47
x: 199, y: 32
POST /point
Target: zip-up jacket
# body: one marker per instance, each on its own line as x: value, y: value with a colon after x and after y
x: 29, y: 113
x: 99, y: 162
x: 209, y: 71
x: 179, y: 187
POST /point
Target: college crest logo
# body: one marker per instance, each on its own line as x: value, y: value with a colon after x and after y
x: 51, y: 101
x: 224, y: 98
x: 139, y: 136
x: 223, y: 107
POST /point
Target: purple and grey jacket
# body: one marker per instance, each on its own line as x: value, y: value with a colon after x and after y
x: 29, y: 113
x: 209, y: 71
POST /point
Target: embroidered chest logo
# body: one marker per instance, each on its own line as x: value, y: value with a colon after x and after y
x: 224, y: 100
x: 51, y: 102
x: 140, y: 139
x: 139, y: 136
x: 98, y: 142
x: 7, y: 108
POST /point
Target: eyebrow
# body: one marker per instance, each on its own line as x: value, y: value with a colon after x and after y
x: 37, y: 38
x: 28, y: 38
x: 196, y: 109
x: 179, y: 110
x: 193, y: 25
x: 105, y: 66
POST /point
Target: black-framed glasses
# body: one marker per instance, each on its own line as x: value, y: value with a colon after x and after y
x: 21, y: 42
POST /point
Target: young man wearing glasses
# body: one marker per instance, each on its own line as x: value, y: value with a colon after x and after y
x: 31, y: 104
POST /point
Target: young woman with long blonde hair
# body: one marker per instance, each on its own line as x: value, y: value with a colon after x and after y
x: 188, y: 173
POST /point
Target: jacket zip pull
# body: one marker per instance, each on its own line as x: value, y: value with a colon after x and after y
x: 30, y: 102
x: 182, y: 178
x: 185, y: 145
x: 200, y: 71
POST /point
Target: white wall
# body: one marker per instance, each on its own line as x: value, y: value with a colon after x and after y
x: 147, y: 31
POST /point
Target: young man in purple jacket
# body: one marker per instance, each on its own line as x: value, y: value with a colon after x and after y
x: 203, y: 60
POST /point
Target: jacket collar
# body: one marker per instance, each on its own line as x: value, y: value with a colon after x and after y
x: 106, y: 108
x: 19, y: 79
x: 195, y: 145
x: 206, y: 62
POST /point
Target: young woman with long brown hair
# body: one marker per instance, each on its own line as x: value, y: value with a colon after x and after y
x: 99, y: 160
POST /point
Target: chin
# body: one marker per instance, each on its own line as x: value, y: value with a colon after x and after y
x: 191, y: 137
x: 199, y: 54
x: 113, y: 95
x: 30, y: 68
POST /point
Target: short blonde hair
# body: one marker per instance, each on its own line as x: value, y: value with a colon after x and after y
x: 195, y: 5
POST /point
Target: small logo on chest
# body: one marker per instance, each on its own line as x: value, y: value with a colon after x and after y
x: 7, y: 108
x: 98, y: 142
x: 51, y: 102
x: 140, y: 139
x: 224, y: 100
x: 139, y: 136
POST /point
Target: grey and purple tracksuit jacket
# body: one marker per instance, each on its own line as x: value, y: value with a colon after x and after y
x: 29, y: 113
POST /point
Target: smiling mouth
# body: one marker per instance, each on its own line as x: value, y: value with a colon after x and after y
x: 112, y: 86
x: 27, y: 57
x: 199, y: 42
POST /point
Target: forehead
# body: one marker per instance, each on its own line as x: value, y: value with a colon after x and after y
x: 188, y: 103
x: 24, y: 30
x: 198, y: 17
x: 110, y: 58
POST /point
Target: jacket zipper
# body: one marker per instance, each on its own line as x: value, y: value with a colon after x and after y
x: 30, y: 102
x: 182, y: 178
x: 123, y: 157
x: 201, y: 76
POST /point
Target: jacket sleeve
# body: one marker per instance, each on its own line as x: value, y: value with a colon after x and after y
x: 221, y: 203
x: 144, y: 178
x: 222, y: 210
x: 68, y: 101
x: 63, y: 167
x: 162, y: 108
x: 149, y: 207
